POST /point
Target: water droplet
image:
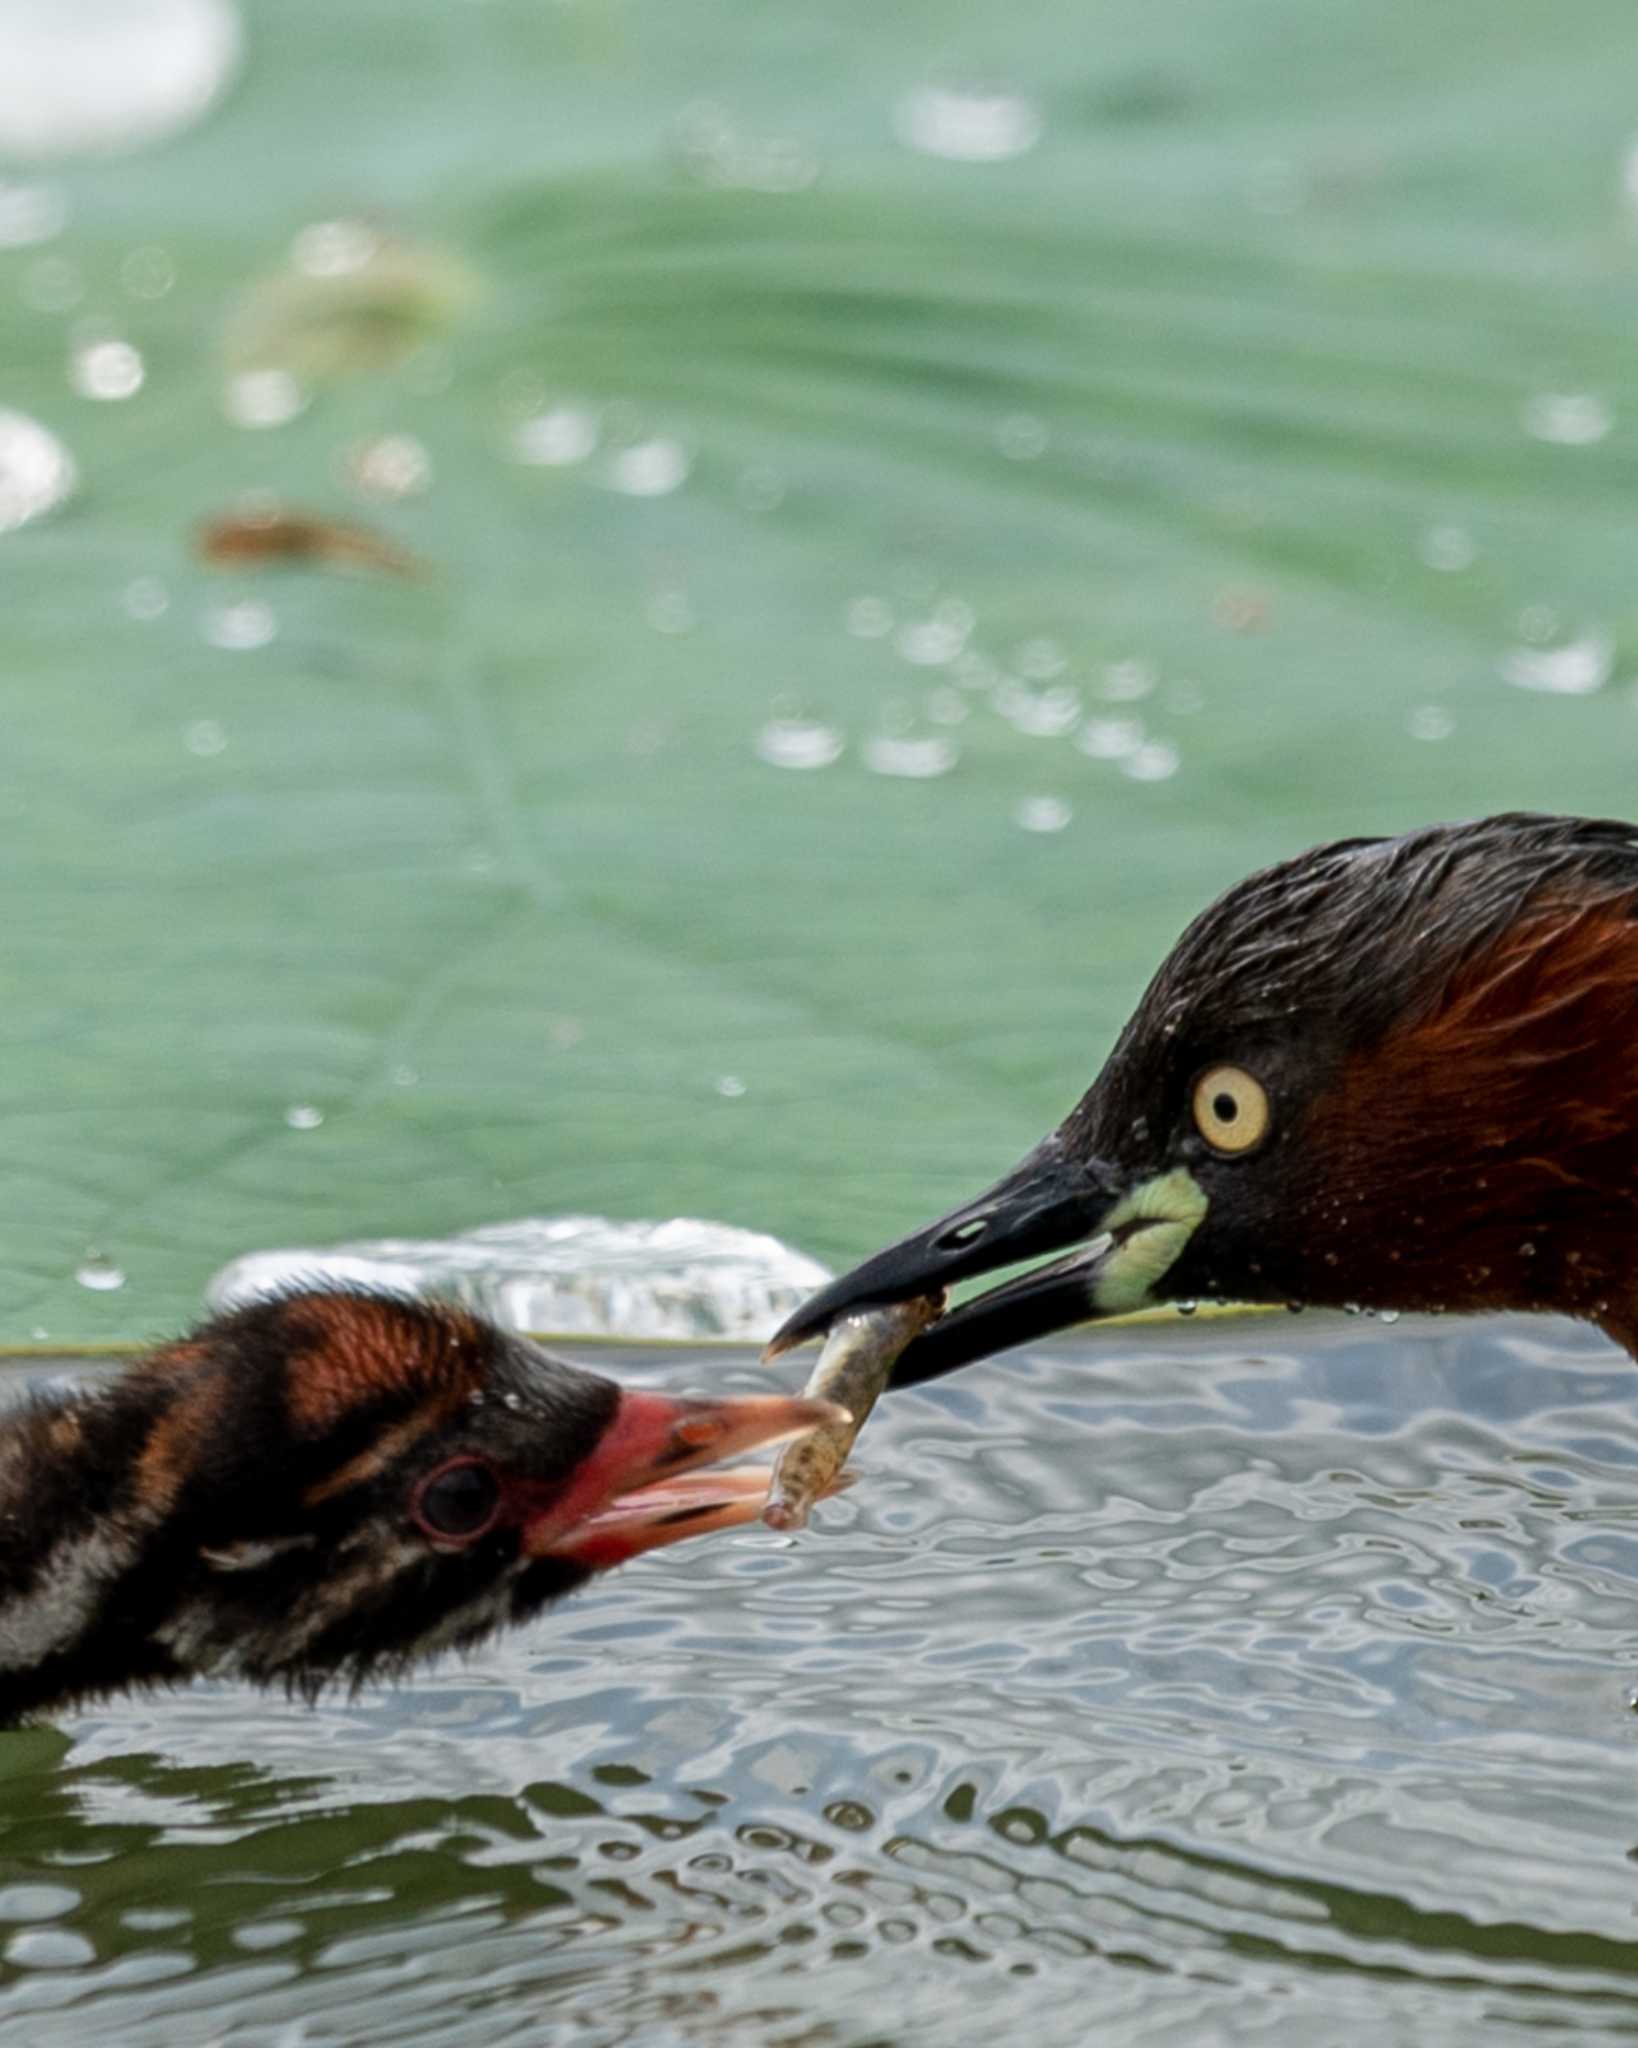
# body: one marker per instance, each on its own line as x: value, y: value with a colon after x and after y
x: 1042, y: 814
x: 1351, y: 1308
x: 898, y: 749
x: 37, y: 472
x: 1187, y: 1308
x: 730, y: 1085
x: 303, y: 1116
x: 204, y: 737
x: 106, y: 368
x: 869, y: 618
x: 1295, y: 1308
x: 30, y: 212
x: 243, y: 626
x: 148, y: 272
x: 1154, y: 761
x: 87, y: 79
x: 1449, y: 549
x: 1038, y: 714
x: 934, y: 642
x: 969, y: 124
x: 1430, y: 722
x: 1573, y: 419
x: 799, y: 743
x: 1388, y: 1315
x: 98, y: 1273
x: 1127, y: 682
x: 392, y: 466
x: 649, y: 469
x: 145, y: 599
x: 263, y: 398
x: 1561, y: 663
x: 334, y: 248
x: 1527, y: 1250
x: 1110, y: 739
x: 52, y: 285
x: 556, y: 437
x: 1632, y: 1698
x: 1021, y: 437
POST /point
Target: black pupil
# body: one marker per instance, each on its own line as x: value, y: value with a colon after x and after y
x: 460, y: 1501
x: 1224, y: 1108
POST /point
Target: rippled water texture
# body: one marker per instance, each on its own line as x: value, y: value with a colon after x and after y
x: 1262, y: 1680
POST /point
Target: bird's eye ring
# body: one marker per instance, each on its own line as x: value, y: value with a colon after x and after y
x: 1231, y: 1110
x: 459, y: 1502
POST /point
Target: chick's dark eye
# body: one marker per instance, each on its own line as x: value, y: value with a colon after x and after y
x: 459, y: 1502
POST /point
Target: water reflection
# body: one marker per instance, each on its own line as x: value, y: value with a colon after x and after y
x: 1227, y: 1689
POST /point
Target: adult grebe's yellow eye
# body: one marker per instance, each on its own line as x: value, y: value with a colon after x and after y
x: 1231, y: 1109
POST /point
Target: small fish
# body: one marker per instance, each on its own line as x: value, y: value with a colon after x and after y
x: 271, y: 534
x: 855, y: 1365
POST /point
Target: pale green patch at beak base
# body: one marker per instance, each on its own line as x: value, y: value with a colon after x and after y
x: 1171, y: 1207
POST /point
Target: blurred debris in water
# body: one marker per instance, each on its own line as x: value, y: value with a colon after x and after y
x: 585, y: 1275
x: 266, y: 534
x: 351, y: 299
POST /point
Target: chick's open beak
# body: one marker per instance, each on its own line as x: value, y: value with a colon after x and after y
x: 642, y: 1477
x: 1123, y: 1237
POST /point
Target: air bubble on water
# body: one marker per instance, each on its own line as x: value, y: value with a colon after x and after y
x: 1127, y: 682
x: 263, y: 398
x: 82, y: 77
x: 1449, y: 549
x: 730, y: 1086
x: 334, y: 248
x: 37, y: 473
x: 916, y: 758
x: 145, y: 599
x: 648, y: 469
x: 99, y: 1273
x: 1038, y: 714
x: 303, y: 1116
x: 1110, y: 739
x: 1388, y: 1315
x: 204, y: 737
x: 1040, y: 660
x: 241, y: 627
x: 390, y: 467
x: 1559, y: 661
x: 106, y: 368
x: 1187, y: 1308
x: 1021, y: 437
x: 978, y: 124
x: 1042, y: 814
x: 934, y: 642
x: 1154, y: 761
x: 556, y: 437
x: 796, y: 742
x: 31, y: 212
x: 148, y: 272
x: 869, y: 618
x: 1430, y: 722
x: 1573, y: 419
